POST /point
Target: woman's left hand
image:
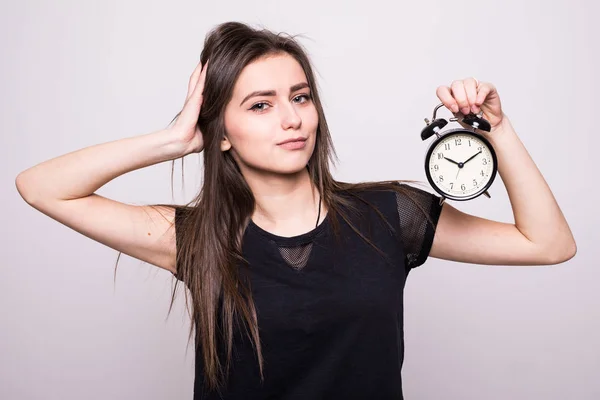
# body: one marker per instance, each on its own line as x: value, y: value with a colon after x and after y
x: 468, y: 95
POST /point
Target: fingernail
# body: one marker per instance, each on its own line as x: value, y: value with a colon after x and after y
x: 454, y: 108
x: 465, y: 110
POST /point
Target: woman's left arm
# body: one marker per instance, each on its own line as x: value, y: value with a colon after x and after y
x: 540, y: 234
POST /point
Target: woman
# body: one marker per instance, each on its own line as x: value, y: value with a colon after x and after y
x: 295, y: 279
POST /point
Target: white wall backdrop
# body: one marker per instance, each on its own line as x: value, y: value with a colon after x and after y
x: 78, y: 73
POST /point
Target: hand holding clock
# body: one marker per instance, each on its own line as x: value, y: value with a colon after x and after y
x: 540, y: 235
x: 464, y: 98
x: 469, y: 95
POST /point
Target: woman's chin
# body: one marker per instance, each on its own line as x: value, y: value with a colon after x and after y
x: 290, y: 168
x: 289, y: 165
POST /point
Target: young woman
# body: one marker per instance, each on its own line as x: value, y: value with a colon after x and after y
x: 295, y: 279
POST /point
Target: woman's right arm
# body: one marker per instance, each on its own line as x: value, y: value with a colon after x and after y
x: 63, y: 189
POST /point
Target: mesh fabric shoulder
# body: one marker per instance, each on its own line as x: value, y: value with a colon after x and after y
x: 418, y: 213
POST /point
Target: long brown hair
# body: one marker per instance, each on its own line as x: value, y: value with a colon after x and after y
x: 209, y: 237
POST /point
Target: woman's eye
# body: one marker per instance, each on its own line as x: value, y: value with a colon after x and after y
x: 303, y: 98
x: 259, y: 107
x: 262, y: 106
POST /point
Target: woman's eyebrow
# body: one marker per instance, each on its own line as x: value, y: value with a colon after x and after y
x: 293, y: 88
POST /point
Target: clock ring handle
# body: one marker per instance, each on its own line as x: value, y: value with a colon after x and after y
x: 474, y: 120
x: 435, y: 110
x: 479, y: 114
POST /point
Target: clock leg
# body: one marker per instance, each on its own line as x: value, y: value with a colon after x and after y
x: 487, y: 194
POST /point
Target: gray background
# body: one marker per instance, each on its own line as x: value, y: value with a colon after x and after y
x: 77, y: 73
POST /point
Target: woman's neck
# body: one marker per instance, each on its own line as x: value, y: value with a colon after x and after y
x: 286, y: 205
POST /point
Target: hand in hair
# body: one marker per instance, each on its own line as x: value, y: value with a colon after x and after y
x: 186, y: 124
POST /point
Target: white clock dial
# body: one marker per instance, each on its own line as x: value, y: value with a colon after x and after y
x: 461, y: 165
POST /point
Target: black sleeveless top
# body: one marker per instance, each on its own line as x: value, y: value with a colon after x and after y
x: 330, y: 314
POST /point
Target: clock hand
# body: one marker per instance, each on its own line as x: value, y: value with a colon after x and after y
x: 452, y: 161
x: 472, y: 157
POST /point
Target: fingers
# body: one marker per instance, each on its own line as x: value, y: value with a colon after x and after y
x: 199, y: 87
x: 484, y: 90
x: 460, y: 96
x: 193, y: 80
x: 193, y: 102
x: 445, y: 96
x: 463, y: 95
x: 470, y: 87
x: 198, y: 73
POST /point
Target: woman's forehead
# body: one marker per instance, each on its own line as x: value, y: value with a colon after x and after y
x: 275, y: 72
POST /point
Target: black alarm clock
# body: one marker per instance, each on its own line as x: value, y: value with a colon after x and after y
x: 460, y: 163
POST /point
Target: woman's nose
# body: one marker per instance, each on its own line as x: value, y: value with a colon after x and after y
x: 290, y: 118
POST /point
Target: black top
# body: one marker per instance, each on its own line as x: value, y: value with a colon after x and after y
x: 330, y: 316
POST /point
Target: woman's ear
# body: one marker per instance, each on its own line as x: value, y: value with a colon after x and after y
x: 225, y: 144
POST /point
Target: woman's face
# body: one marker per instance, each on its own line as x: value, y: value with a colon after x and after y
x: 271, y: 104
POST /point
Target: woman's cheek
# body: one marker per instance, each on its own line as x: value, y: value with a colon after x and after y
x: 311, y: 117
x: 254, y: 138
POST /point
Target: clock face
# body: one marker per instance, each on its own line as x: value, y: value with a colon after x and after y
x: 461, y: 165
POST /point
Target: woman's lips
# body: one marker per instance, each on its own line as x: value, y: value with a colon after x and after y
x: 293, y: 144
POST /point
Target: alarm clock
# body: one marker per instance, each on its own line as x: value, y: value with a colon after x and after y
x: 460, y: 163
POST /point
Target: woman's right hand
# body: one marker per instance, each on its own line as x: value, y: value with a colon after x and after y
x: 186, y: 124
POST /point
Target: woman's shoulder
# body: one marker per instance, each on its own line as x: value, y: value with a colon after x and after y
x: 406, y: 202
x: 381, y: 190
